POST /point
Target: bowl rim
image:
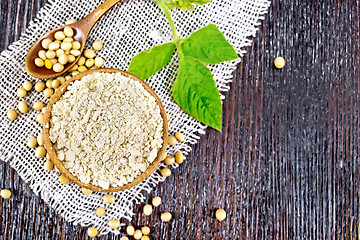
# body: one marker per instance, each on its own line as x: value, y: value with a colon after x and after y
x: 51, y: 151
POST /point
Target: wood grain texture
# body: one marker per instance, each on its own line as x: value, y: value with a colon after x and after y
x: 286, y: 165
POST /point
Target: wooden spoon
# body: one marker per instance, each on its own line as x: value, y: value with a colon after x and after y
x: 81, y: 31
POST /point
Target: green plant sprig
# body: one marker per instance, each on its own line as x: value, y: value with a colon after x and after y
x: 194, y: 89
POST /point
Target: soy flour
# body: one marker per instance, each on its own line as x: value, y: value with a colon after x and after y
x: 106, y: 129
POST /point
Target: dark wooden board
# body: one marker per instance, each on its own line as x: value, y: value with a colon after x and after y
x: 285, y: 166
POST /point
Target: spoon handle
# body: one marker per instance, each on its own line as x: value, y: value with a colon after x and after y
x: 87, y: 23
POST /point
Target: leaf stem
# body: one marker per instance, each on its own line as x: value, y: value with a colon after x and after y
x: 177, y: 40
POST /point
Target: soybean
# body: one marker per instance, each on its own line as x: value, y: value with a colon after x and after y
x: 48, y: 165
x: 32, y: 142
x: 89, y: 63
x: 70, y: 21
x: 147, y: 209
x: 166, y: 217
x: 81, y: 61
x: 39, y: 86
x: 59, y: 35
x: 69, y: 32
x: 99, y: 61
x: 38, y: 105
x: 66, y: 46
x: 58, y: 67
x: 40, y: 138
x: 5, y: 193
x: 172, y: 140
x: 39, y: 62
x: 89, y: 53
x: 48, y: 92
x: 56, y: 84
x: 75, y: 52
x: 92, y: 232
x: 27, y: 85
x: 48, y: 64
x: 220, y: 214
x: 82, y: 69
x: 59, y: 52
x: 40, y: 118
x: 156, y: 201
x: 53, y: 62
x: 86, y: 191
x: 97, y: 45
x: 114, y: 224
x: 279, y: 62
x: 61, y: 80
x: 23, y: 107
x: 145, y: 230
x: 169, y: 160
x: 11, y: 115
x: 53, y: 47
x: 163, y: 156
x: 63, y: 59
x: 137, y: 234
x: 76, y: 45
x: 21, y: 92
x: 180, y: 137
x: 40, y: 152
x: 63, y: 180
x: 100, y: 211
x: 130, y: 230
x: 109, y: 198
x: 45, y: 43
x: 179, y: 157
x: 50, y: 54
x: 42, y: 54
x: 71, y: 58
x: 74, y: 68
x: 165, y: 172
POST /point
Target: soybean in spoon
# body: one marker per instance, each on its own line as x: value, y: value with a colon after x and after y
x: 81, y: 30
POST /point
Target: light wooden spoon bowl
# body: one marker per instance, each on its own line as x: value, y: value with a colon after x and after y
x: 51, y: 151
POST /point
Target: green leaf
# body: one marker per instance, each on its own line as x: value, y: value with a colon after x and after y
x: 200, y: 2
x: 180, y: 4
x: 209, y: 46
x: 196, y: 93
x: 183, y: 4
x: 148, y: 62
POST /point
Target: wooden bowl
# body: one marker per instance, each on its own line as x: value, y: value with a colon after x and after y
x: 51, y: 151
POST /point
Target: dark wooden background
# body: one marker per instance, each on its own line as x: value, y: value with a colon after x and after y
x: 286, y: 165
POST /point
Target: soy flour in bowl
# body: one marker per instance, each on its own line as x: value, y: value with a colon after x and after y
x: 106, y: 129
